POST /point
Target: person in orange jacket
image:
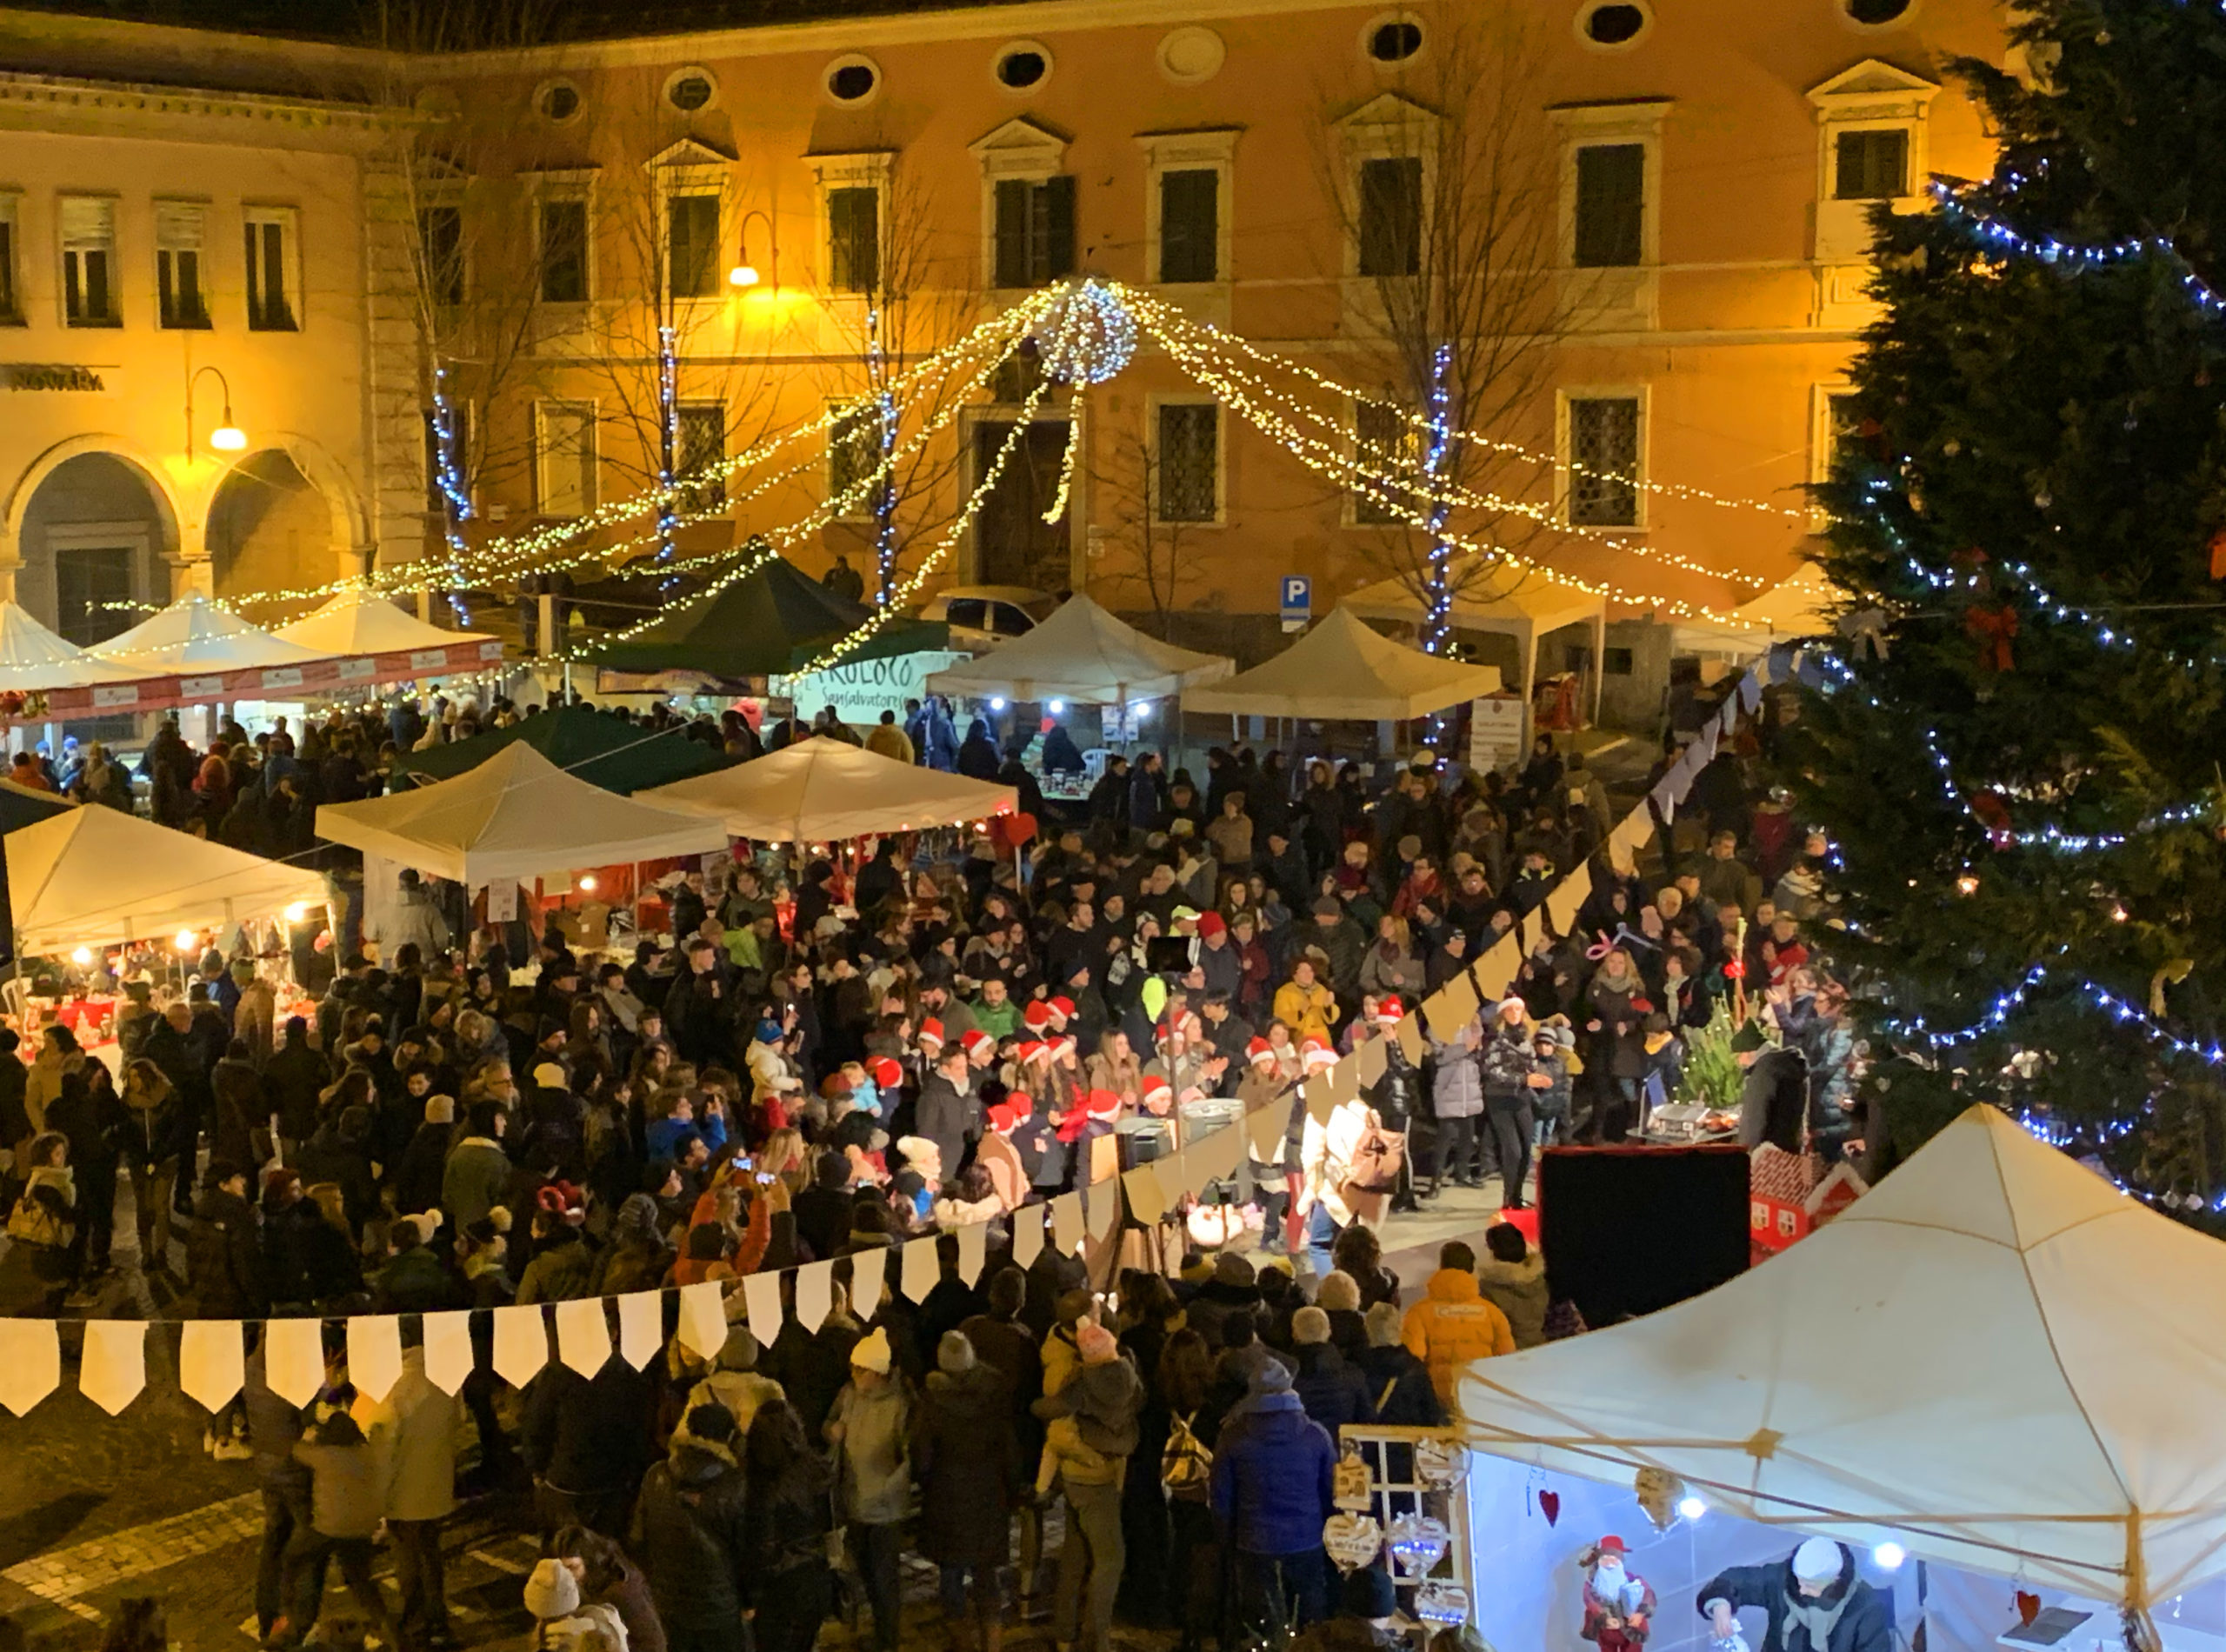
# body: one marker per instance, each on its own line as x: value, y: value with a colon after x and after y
x: 1454, y: 1323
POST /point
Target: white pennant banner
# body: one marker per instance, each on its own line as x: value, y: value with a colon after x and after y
x: 373, y: 1354
x: 920, y: 1270
x: 30, y: 1362
x: 521, y: 1343
x: 293, y: 1359
x: 114, y: 1368
x: 447, y: 1350
x: 583, y: 1335
x: 868, y: 1281
x: 703, y: 1320
x: 641, y: 1327
x: 211, y: 1362
x: 815, y: 1294
x: 760, y: 1297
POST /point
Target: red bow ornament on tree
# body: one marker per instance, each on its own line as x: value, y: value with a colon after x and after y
x: 1992, y: 627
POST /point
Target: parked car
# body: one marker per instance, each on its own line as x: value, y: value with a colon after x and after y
x: 980, y: 616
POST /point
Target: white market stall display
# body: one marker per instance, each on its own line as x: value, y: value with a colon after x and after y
x: 1802, y: 604
x: 1084, y: 654
x: 516, y: 816
x: 97, y: 876
x: 194, y: 634
x: 1504, y: 600
x: 1994, y: 1363
x: 1343, y: 670
x: 33, y: 660
x: 361, y: 624
x: 822, y: 791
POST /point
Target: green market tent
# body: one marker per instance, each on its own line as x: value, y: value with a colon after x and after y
x: 769, y: 623
x: 600, y: 749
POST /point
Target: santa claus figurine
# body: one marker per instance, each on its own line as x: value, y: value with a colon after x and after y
x: 1618, y: 1607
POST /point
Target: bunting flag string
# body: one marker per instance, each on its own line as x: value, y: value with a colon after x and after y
x: 211, y: 1367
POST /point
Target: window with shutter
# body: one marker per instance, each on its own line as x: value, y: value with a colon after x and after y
x: 692, y: 246
x: 853, y: 455
x: 1391, y: 216
x: 1189, y: 225
x: 178, y: 230
x: 700, y: 456
x: 11, y: 309
x: 1604, y: 459
x: 88, y: 295
x: 854, y: 238
x: 1611, y: 206
x: 1871, y: 165
x: 271, y: 275
x: 1189, y: 462
x: 440, y: 245
x: 564, y: 442
x: 564, y: 252
x: 1035, y: 231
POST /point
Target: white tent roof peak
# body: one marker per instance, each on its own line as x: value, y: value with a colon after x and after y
x: 32, y: 657
x: 1080, y: 652
x: 193, y: 633
x: 821, y: 789
x: 516, y: 815
x: 361, y: 621
x: 1995, y: 1358
x: 1342, y: 669
x: 1504, y: 597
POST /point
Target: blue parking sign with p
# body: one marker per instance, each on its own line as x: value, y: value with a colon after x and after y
x: 1297, y: 601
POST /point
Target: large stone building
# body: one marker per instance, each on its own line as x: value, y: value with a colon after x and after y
x: 1637, y: 231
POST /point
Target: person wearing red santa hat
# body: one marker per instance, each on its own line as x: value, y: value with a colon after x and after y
x: 980, y: 1048
x: 930, y: 1039
x: 1036, y: 1017
x: 1618, y: 1604
x: 1316, y: 1055
x: 1003, y: 1155
x: 1159, y: 1096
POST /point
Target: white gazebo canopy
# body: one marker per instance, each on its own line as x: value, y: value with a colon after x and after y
x: 96, y: 876
x: 1504, y: 598
x: 33, y: 658
x: 1082, y: 653
x: 1801, y: 605
x: 193, y: 633
x: 822, y: 791
x: 1343, y: 670
x: 359, y: 622
x: 517, y: 815
x: 1996, y: 1358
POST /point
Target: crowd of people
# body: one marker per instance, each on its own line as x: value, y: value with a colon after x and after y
x: 822, y: 1067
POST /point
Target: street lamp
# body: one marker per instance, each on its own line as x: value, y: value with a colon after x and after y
x: 227, y: 437
x: 744, y: 274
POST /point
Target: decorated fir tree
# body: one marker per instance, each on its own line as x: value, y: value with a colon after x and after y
x: 2017, y: 742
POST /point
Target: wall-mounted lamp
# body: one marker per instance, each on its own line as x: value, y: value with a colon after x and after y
x: 744, y: 274
x: 227, y: 437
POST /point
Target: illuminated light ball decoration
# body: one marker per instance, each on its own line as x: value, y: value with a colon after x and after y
x: 1087, y: 336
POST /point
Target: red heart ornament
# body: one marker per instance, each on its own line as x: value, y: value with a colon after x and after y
x: 1549, y: 1505
x: 2029, y: 1606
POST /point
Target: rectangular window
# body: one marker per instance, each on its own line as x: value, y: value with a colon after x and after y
x: 853, y: 455
x: 440, y: 244
x: 178, y: 227
x: 1603, y: 460
x: 1618, y: 662
x: 88, y: 295
x: 92, y: 593
x: 700, y: 451
x: 1391, y: 217
x: 692, y: 246
x: 564, y: 447
x: 11, y: 307
x: 1189, y: 462
x: 1871, y: 166
x: 1611, y: 206
x: 272, y: 299
x: 436, y: 499
x: 1383, y: 444
x: 854, y: 238
x: 564, y: 252
x: 1189, y: 225
x: 1036, y: 230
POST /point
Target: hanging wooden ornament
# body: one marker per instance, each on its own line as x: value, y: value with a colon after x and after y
x: 1549, y: 1505
x: 1348, y: 1483
x: 1417, y: 1543
x: 1658, y: 1490
x: 1441, y: 1464
x: 1443, y: 1603
x: 1352, y: 1539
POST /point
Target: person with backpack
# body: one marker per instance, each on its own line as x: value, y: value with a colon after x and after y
x: 966, y: 1455
x: 870, y: 1429
x: 1180, y: 1389
x: 692, y: 1533
x: 36, y: 1271
x: 1272, y: 1489
x: 562, y: 1622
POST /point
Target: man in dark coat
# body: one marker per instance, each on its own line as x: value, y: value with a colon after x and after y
x: 696, y: 1009
x: 691, y: 1538
x: 1332, y: 1390
x: 946, y: 1098
x: 587, y: 1440
x: 292, y: 1080
x: 1773, y: 1097
x: 1813, y: 1600
x: 225, y: 1251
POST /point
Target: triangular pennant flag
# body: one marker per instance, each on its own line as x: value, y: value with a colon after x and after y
x: 1027, y: 1235
x: 1104, y: 1206
x: 641, y: 1327
x: 1706, y: 744
x: 921, y: 1270
x: 1375, y: 1055
x: 447, y: 1350
x: 815, y: 1294
x: 1453, y: 1007
x: 1665, y: 800
x: 1265, y: 1131
x: 1319, y: 1105
x: 211, y: 1362
x: 1066, y: 1222
x: 1750, y: 692
x: 703, y: 1320
x: 583, y: 1335
x: 30, y: 1362
x: 373, y: 1354
x: 868, y: 1281
x: 1179, y: 1176
x: 1569, y: 895
x: 1215, y: 1156
x: 114, y: 1367
x: 1729, y: 723
x: 760, y: 1297
x: 293, y: 1359
x: 521, y: 1344
x: 1145, y: 1204
x: 1493, y: 972
x: 1410, y: 1038
x: 973, y: 1250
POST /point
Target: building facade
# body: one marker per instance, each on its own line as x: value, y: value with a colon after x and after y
x: 1623, y: 244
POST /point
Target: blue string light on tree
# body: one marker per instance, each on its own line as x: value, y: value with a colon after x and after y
x: 454, y: 492
x: 668, y: 441
x: 1086, y: 336
x: 1437, y: 591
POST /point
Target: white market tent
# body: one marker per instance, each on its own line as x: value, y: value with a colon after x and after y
x: 193, y: 633
x: 517, y: 815
x: 1082, y: 653
x: 1343, y: 670
x: 1996, y: 1358
x: 1801, y: 605
x: 96, y: 876
x: 825, y: 790
x: 1505, y: 600
x: 361, y: 621
x: 33, y: 658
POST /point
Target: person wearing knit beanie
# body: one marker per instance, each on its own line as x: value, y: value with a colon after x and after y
x: 871, y: 1353
x: 552, y: 1591
x: 954, y: 1353
x: 1095, y: 1343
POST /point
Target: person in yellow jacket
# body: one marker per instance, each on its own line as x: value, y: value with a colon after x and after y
x: 1454, y: 1323
x: 1303, y: 1004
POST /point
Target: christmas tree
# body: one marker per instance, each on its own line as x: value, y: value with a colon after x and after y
x: 2014, y: 742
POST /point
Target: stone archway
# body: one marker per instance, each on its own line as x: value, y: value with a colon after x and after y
x: 94, y: 530
x: 269, y: 528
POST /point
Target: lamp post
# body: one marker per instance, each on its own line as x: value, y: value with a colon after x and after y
x: 744, y: 273
x: 227, y: 437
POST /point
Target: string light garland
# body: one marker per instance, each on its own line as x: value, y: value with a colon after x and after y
x: 2076, y: 256
x: 1438, y: 590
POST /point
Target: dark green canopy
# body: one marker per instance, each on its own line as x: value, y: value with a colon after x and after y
x: 768, y: 624
x: 619, y: 756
